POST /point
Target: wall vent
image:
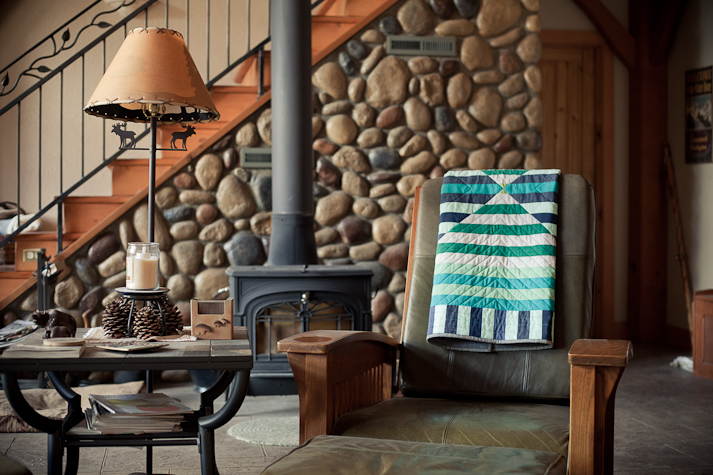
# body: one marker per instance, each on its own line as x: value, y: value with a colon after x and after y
x: 421, y: 45
x: 256, y: 157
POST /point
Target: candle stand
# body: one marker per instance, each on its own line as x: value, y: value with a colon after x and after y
x: 154, y: 298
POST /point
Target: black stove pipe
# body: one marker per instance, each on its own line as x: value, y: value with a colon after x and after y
x: 292, y: 240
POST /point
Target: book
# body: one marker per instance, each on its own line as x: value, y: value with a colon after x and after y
x: 31, y: 350
x: 96, y: 422
x: 146, y: 404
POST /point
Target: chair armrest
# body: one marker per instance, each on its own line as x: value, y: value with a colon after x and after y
x: 337, y: 372
x: 326, y: 341
x: 596, y: 369
x: 601, y: 352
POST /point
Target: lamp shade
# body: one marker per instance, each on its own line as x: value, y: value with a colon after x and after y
x: 152, y: 66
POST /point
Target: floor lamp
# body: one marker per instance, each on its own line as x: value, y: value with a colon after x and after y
x: 151, y: 79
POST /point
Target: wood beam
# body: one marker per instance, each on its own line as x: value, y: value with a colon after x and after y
x: 664, y: 28
x: 617, y: 37
x: 647, y: 179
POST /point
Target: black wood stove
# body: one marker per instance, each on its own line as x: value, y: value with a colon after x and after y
x: 292, y: 293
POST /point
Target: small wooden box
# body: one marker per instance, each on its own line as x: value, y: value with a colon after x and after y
x: 212, y: 319
x: 703, y: 334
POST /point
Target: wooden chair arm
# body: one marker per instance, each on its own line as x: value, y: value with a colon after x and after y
x: 596, y: 368
x: 601, y: 352
x: 325, y: 341
x: 337, y: 372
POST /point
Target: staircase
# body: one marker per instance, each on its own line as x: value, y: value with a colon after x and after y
x: 333, y: 22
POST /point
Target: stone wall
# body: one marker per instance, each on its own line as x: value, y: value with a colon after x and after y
x: 382, y: 125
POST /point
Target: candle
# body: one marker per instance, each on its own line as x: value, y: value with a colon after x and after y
x: 142, y: 266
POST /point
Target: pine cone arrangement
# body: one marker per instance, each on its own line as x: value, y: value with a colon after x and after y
x: 147, y: 323
x: 174, y: 319
x: 115, y: 318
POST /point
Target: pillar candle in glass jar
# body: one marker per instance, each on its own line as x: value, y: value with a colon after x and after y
x: 142, y: 266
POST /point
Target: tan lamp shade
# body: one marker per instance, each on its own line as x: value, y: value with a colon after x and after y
x: 152, y: 66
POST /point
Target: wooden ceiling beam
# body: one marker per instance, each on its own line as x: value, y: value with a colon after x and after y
x: 617, y: 37
x: 664, y: 28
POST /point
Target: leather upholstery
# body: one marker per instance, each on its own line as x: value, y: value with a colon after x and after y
x: 445, y: 421
x: 431, y: 371
x: 350, y: 455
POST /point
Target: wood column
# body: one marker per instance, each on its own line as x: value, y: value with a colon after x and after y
x: 647, y: 192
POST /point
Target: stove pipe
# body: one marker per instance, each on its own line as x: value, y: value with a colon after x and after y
x: 292, y: 240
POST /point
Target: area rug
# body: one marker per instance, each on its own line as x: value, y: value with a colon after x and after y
x: 279, y: 431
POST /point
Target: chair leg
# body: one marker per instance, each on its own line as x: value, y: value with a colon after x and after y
x: 591, y: 448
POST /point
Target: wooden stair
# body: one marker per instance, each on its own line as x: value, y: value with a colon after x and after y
x: 330, y: 23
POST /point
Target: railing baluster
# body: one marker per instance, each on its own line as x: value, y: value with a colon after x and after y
x: 261, y: 72
x: 188, y: 16
x: 61, y: 161
x: 103, y: 121
x: 166, y: 13
x: 207, y: 39
x: 19, y: 123
x: 39, y: 153
x: 247, y: 26
x: 82, y: 117
x: 227, y: 33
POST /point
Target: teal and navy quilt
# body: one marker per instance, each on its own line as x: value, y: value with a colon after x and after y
x: 494, y: 280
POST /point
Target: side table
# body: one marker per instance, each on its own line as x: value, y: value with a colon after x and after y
x: 233, y: 357
x: 703, y: 334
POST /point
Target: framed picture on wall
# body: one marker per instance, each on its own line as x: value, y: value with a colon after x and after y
x: 699, y: 136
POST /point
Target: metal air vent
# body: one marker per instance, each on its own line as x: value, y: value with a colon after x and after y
x: 421, y: 45
x: 256, y: 157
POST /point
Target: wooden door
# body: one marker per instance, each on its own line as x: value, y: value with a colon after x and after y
x: 578, y: 137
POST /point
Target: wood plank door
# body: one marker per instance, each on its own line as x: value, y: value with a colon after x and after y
x: 578, y: 137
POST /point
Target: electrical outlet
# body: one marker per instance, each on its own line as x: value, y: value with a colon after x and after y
x: 30, y: 255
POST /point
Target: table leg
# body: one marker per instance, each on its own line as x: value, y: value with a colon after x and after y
x: 72, y: 461
x: 54, y: 453
x: 23, y: 409
x: 208, y: 423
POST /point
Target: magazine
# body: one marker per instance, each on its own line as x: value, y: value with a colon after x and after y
x: 145, y: 404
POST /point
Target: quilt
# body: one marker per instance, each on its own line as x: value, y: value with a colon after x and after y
x: 494, y: 277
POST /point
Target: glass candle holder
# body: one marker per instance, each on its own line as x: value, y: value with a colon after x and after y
x: 142, y: 266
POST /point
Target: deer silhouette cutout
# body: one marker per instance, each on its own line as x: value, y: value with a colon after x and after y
x: 126, y: 136
x: 183, y: 135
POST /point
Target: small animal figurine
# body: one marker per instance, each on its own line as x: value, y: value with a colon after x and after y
x: 57, y: 324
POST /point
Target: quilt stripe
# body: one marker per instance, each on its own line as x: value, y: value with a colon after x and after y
x: 494, y: 278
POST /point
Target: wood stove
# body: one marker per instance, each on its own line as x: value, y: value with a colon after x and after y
x: 292, y: 293
x: 275, y: 302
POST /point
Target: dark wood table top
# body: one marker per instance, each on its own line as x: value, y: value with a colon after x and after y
x: 232, y: 354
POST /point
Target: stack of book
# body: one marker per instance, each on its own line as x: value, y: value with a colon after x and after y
x: 135, y: 414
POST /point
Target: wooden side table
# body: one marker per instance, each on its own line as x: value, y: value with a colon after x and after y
x: 703, y: 334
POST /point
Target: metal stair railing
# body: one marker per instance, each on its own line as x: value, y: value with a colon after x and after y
x: 35, y: 91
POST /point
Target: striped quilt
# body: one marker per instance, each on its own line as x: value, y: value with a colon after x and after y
x: 494, y: 280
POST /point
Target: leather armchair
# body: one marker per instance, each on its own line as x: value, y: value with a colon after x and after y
x: 558, y: 401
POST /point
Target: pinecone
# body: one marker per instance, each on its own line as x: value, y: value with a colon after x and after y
x: 146, y: 324
x: 115, y: 318
x: 174, y: 320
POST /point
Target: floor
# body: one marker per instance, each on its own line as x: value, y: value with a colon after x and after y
x: 664, y: 425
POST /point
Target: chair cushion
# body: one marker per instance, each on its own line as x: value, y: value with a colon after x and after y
x: 353, y: 455
x: 542, y: 427
x: 9, y: 466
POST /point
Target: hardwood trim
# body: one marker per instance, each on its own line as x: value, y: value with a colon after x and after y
x: 648, y: 129
x: 615, y: 34
x: 606, y: 180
